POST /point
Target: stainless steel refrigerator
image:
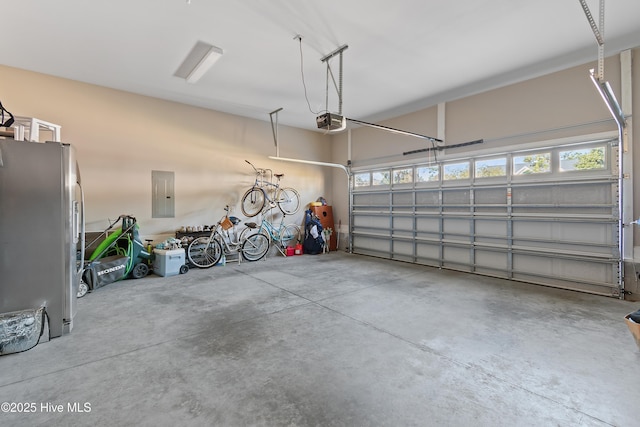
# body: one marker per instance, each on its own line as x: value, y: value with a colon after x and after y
x: 41, y: 230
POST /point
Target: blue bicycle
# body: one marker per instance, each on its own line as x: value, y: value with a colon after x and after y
x: 284, y: 235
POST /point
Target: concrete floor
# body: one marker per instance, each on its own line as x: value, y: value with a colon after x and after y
x: 332, y: 340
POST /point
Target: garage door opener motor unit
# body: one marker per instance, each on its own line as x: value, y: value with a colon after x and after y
x: 330, y: 121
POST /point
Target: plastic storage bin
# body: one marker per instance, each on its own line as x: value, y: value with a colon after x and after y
x: 169, y: 262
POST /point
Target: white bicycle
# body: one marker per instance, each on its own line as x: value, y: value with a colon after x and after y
x: 205, y: 252
x: 265, y: 193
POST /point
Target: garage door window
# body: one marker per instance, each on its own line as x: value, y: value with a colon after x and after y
x: 586, y: 159
x: 427, y: 173
x: 491, y: 167
x: 403, y: 176
x: 380, y: 178
x: 534, y: 163
x: 456, y: 171
x: 362, y: 179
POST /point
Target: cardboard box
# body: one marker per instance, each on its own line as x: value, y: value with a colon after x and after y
x: 168, y: 262
x: 634, y: 328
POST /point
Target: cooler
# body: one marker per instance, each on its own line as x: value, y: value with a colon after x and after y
x: 168, y: 262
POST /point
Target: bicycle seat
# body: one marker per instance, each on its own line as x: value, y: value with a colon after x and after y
x: 234, y: 220
x: 278, y: 175
x: 251, y: 224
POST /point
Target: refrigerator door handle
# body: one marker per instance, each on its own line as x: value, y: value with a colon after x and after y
x: 82, y: 229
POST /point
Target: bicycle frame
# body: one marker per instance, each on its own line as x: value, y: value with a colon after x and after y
x: 224, y: 237
x: 275, y: 234
x: 271, y: 230
x: 264, y: 193
x: 268, y: 187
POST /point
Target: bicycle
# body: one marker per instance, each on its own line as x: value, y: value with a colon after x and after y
x: 265, y: 191
x: 206, y: 251
x: 283, y: 234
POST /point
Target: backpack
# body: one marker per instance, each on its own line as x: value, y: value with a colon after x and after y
x: 312, y: 245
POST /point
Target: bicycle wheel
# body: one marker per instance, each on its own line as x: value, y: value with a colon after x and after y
x: 252, y: 202
x: 290, y: 235
x: 255, y: 247
x: 204, y: 252
x: 288, y: 200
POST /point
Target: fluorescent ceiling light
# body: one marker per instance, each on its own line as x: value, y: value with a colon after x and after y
x: 198, y: 61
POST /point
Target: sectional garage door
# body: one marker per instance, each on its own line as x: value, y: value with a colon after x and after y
x: 547, y: 215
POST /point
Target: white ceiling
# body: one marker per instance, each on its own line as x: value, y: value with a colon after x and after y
x: 402, y: 55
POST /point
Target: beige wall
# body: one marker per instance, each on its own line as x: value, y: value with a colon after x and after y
x: 121, y: 137
x: 557, y: 105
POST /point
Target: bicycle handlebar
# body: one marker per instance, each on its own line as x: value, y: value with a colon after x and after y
x: 259, y: 171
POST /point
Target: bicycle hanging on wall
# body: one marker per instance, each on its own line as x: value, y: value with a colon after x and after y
x: 265, y: 193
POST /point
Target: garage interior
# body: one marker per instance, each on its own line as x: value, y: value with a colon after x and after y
x: 334, y: 339
x: 483, y: 202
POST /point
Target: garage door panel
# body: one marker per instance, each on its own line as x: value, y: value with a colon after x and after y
x: 491, y: 262
x: 428, y: 210
x: 570, y: 194
x: 576, y: 232
x: 376, y: 245
x: 532, y: 230
x: 380, y: 222
x: 428, y: 224
x: 491, y: 210
x: 530, y: 195
x: 368, y: 199
x: 492, y: 259
x: 403, y: 248
x: 456, y: 197
x: 551, y: 210
x: 570, y: 270
x: 403, y: 223
x: 580, y: 250
x: 491, y: 228
x: 456, y: 225
x: 594, y: 233
x: 400, y: 199
x: 558, y: 228
x: 427, y: 252
x: 456, y: 254
x: 490, y: 196
x: 428, y: 198
x: 577, y: 194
